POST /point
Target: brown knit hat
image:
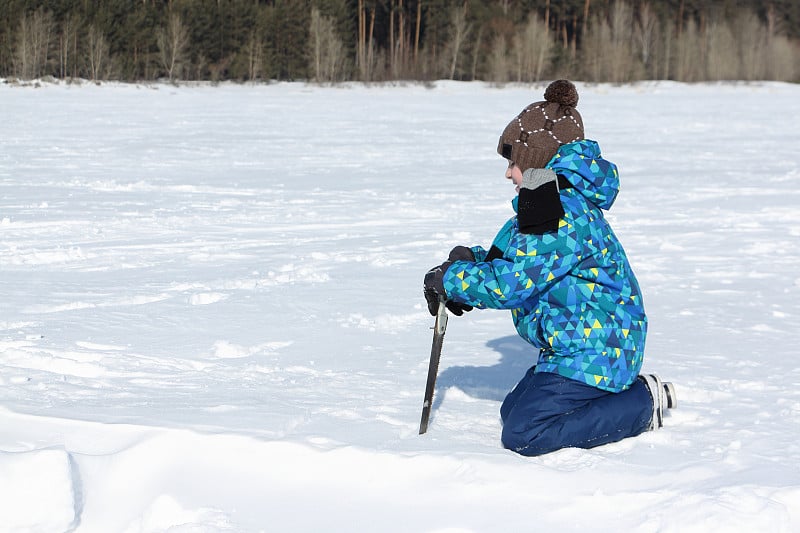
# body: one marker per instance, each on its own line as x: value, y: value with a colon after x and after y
x: 534, y: 136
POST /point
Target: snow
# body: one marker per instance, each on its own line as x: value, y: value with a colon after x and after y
x: 211, y: 314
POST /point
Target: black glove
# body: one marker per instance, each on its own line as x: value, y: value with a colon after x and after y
x: 461, y: 253
x: 433, y: 289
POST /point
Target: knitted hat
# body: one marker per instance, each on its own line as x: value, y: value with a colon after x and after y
x: 534, y: 136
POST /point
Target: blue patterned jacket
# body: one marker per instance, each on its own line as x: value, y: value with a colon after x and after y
x: 571, y: 293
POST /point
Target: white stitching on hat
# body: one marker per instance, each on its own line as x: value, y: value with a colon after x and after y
x: 546, y: 117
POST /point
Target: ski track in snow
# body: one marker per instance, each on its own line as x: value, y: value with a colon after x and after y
x: 212, y: 316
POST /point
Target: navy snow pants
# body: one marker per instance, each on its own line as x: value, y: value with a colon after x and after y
x: 546, y: 412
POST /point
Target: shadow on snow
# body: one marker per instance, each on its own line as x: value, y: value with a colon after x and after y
x: 489, y: 382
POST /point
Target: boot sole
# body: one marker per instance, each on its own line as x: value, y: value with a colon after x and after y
x: 672, y: 398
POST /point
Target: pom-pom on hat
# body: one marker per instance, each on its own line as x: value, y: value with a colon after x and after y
x: 534, y: 136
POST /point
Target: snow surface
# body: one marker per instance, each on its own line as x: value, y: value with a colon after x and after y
x: 211, y: 316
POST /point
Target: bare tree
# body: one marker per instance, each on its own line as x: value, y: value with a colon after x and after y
x: 533, y: 48
x: 365, y: 50
x: 688, y: 54
x: 668, y: 49
x: 460, y: 29
x: 722, y: 60
x: 172, y: 42
x: 499, y: 65
x: 417, y: 33
x: 586, y: 7
x: 476, y: 50
x: 399, y: 39
x: 33, y: 43
x: 595, y: 44
x: 783, y: 59
x: 327, y: 49
x: 67, y: 45
x: 645, y: 33
x: 361, y: 46
x: 752, y: 39
x: 98, y: 53
x: 255, y: 55
x: 622, y: 66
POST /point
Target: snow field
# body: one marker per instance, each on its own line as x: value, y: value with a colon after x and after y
x: 211, y: 314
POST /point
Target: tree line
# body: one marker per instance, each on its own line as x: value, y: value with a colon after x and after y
x: 383, y: 40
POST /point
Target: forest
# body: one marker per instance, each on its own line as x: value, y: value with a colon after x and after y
x: 330, y: 41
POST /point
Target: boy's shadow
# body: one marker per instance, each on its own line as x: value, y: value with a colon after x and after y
x: 490, y: 382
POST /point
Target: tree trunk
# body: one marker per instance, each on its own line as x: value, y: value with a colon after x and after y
x: 416, y: 33
x: 362, y: 38
x: 585, y: 17
x: 392, y: 49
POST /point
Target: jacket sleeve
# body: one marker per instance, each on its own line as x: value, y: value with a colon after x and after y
x: 479, y: 252
x: 530, y: 266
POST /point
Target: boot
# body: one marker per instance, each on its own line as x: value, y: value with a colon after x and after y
x: 663, y: 395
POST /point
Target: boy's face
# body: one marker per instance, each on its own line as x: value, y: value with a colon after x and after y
x: 515, y: 175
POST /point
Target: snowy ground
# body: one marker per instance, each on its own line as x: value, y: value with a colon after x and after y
x: 211, y: 314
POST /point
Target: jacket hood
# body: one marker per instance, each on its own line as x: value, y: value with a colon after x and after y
x: 591, y: 175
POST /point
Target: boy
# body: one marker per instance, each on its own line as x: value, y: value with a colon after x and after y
x: 560, y: 270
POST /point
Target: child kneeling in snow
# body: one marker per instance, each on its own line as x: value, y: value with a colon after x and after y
x: 560, y: 270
